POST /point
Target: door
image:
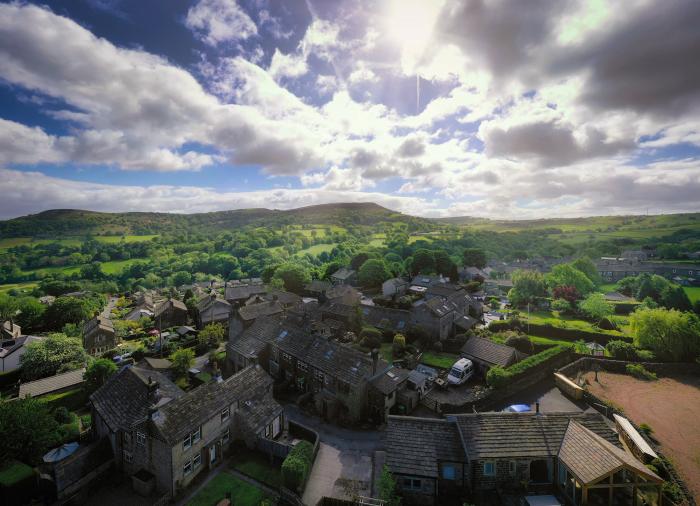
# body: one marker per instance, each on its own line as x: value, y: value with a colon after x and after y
x: 212, y: 454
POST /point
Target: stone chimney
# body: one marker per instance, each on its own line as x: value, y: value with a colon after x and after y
x: 375, y: 359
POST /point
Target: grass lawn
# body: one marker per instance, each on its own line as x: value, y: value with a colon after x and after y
x: 693, y: 292
x: 610, y: 287
x: 554, y: 319
x: 17, y: 286
x: 14, y: 472
x: 11, y: 242
x: 258, y: 466
x: 317, y: 249
x: 439, y: 359
x: 126, y: 238
x: 112, y: 267
x: 242, y: 494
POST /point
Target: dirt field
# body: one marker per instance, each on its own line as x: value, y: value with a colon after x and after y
x: 671, y: 406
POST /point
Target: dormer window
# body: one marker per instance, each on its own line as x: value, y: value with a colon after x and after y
x: 187, y: 442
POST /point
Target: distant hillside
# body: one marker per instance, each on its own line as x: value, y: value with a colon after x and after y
x: 61, y: 222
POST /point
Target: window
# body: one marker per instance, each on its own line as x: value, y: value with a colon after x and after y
x: 512, y: 467
x: 302, y: 366
x: 286, y: 356
x: 140, y: 438
x: 449, y: 472
x: 319, y: 375
x: 197, y: 435
x: 227, y: 436
x: 127, y: 457
x: 187, y: 468
x: 411, y: 484
x: 225, y: 414
x: 489, y: 469
x: 196, y: 461
x: 187, y: 442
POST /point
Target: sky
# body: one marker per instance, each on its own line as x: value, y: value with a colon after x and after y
x: 498, y: 109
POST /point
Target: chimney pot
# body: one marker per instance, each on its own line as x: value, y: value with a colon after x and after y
x: 537, y: 407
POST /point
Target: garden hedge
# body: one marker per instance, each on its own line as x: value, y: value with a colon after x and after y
x: 297, y: 465
x: 499, y: 377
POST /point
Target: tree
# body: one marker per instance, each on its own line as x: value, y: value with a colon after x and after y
x: 528, y: 286
x: 422, y: 262
x: 444, y: 265
x: 474, y: 257
x: 596, y: 307
x: 373, y: 273
x: 53, y: 354
x: 670, y: 334
x: 97, y: 372
x: 561, y: 305
x: 674, y: 297
x: 586, y: 265
x: 8, y: 307
x: 66, y: 310
x: 27, y: 430
x: 212, y: 334
x: 92, y: 271
x: 31, y: 314
x: 370, y: 337
x: 568, y: 293
x: 566, y: 275
x: 294, y: 276
x: 182, y: 360
x: 387, y: 488
x: 358, y: 260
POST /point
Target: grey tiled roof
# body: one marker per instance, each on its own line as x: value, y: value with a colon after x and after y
x: 590, y: 457
x: 440, y: 307
x: 182, y: 415
x: 414, y: 446
x: 343, y: 273
x: 504, y: 435
x: 318, y: 286
x: 253, y: 311
x: 390, y: 380
x: 386, y: 318
x: 337, y: 309
x: 490, y: 352
x: 123, y: 400
x: 176, y: 305
x: 51, y: 384
x: 243, y: 292
x: 254, y: 339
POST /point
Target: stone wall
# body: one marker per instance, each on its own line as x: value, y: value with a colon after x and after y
x: 585, y: 363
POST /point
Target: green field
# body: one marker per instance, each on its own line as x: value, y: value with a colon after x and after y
x: 555, y: 319
x: 112, y: 267
x: 317, y: 249
x: 11, y: 242
x: 693, y: 292
x: 17, y: 286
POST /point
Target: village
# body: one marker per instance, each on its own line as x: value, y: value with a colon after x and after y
x: 447, y: 388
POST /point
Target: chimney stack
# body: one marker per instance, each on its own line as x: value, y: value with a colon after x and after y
x: 375, y: 358
x: 537, y: 408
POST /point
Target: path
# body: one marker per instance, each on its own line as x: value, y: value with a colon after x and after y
x: 344, y: 456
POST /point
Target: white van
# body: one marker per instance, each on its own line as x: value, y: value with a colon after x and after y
x: 461, y: 371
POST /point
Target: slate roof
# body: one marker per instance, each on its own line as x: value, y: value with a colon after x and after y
x: 254, y: 339
x: 590, y: 457
x: 184, y: 414
x: 242, y: 292
x: 98, y: 323
x: 123, y: 400
x: 396, y: 283
x: 257, y: 411
x: 343, y: 273
x: 414, y: 446
x: 176, y: 305
x: 426, y: 281
x: 389, y: 381
x: 618, y: 297
x: 253, y: 311
x: 337, y: 309
x: 285, y: 298
x: 442, y: 290
x: 386, y: 318
x: 9, y: 346
x: 158, y: 363
x: 485, y: 350
x: 465, y: 322
x: 343, y: 294
x: 537, y: 435
x: 317, y: 286
x: 440, y: 307
x: 51, y: 384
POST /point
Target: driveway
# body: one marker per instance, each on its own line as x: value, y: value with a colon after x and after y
x: 344, y: 461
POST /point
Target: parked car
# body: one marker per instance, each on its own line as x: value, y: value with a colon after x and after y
x: 460, y: 372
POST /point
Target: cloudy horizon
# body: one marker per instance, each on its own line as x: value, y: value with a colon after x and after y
x: 565, y: 108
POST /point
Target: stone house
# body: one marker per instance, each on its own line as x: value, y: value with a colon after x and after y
x: 11, y: 351
x: 575, y: 454
x: 211, y: 309
x: 344, y: 276
x: 436, y: 316
x: 238, y: 293
x: 246, y: 315
x: 395, y: 287
x: 9, y: 330
x: 99, y: 335
x: 170, y: 313
x: 384, y: 391
x: 165, y: 437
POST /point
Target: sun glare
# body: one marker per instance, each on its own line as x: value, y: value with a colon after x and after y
x: 410, y: 25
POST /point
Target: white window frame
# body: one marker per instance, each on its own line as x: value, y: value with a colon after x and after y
x: 197, y: 461
x: 187, y: 442
x: 187, y: 468
x: 493, y: 468
x: 197, y: 435
x: 303, y: 366
x: 225, y: 414
x: 128, y: 457
x: 226, y: 437
x: 140, y: 438
x: 413, y: 484
x: 513, y: 467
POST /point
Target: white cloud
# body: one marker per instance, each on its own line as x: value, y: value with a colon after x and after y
x: 217, y: 21
x: 287, y: 65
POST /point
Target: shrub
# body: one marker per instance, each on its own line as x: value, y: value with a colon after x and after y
x: 86, y: 421
x: 297, y: 465
x: 622, y: 350
x: 640, y: 372
x: 62, y: 415
x: 498, y: 377
x: 521, y: 343
x: 437, y: 346
x: 561, y: 305
x: 370, y: 337
x: 646, y: 428
x: 646, y: 355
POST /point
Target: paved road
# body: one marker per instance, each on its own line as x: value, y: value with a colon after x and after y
x: 107, y: 312
x: 344, y: 457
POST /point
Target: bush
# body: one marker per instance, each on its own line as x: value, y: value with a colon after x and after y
x: 640, y: 372
x: 622, y: 350
x: 62, y: 415
x: 521, y: 343
x: 646, y: 428
x: 561, y: 305
x: 646, y: 355
x: 498, y: 377
x: 297, y: 465
x: 86, y: 421
x: 370, y: 337
x: 437, y: 346
x: 607, y: 324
